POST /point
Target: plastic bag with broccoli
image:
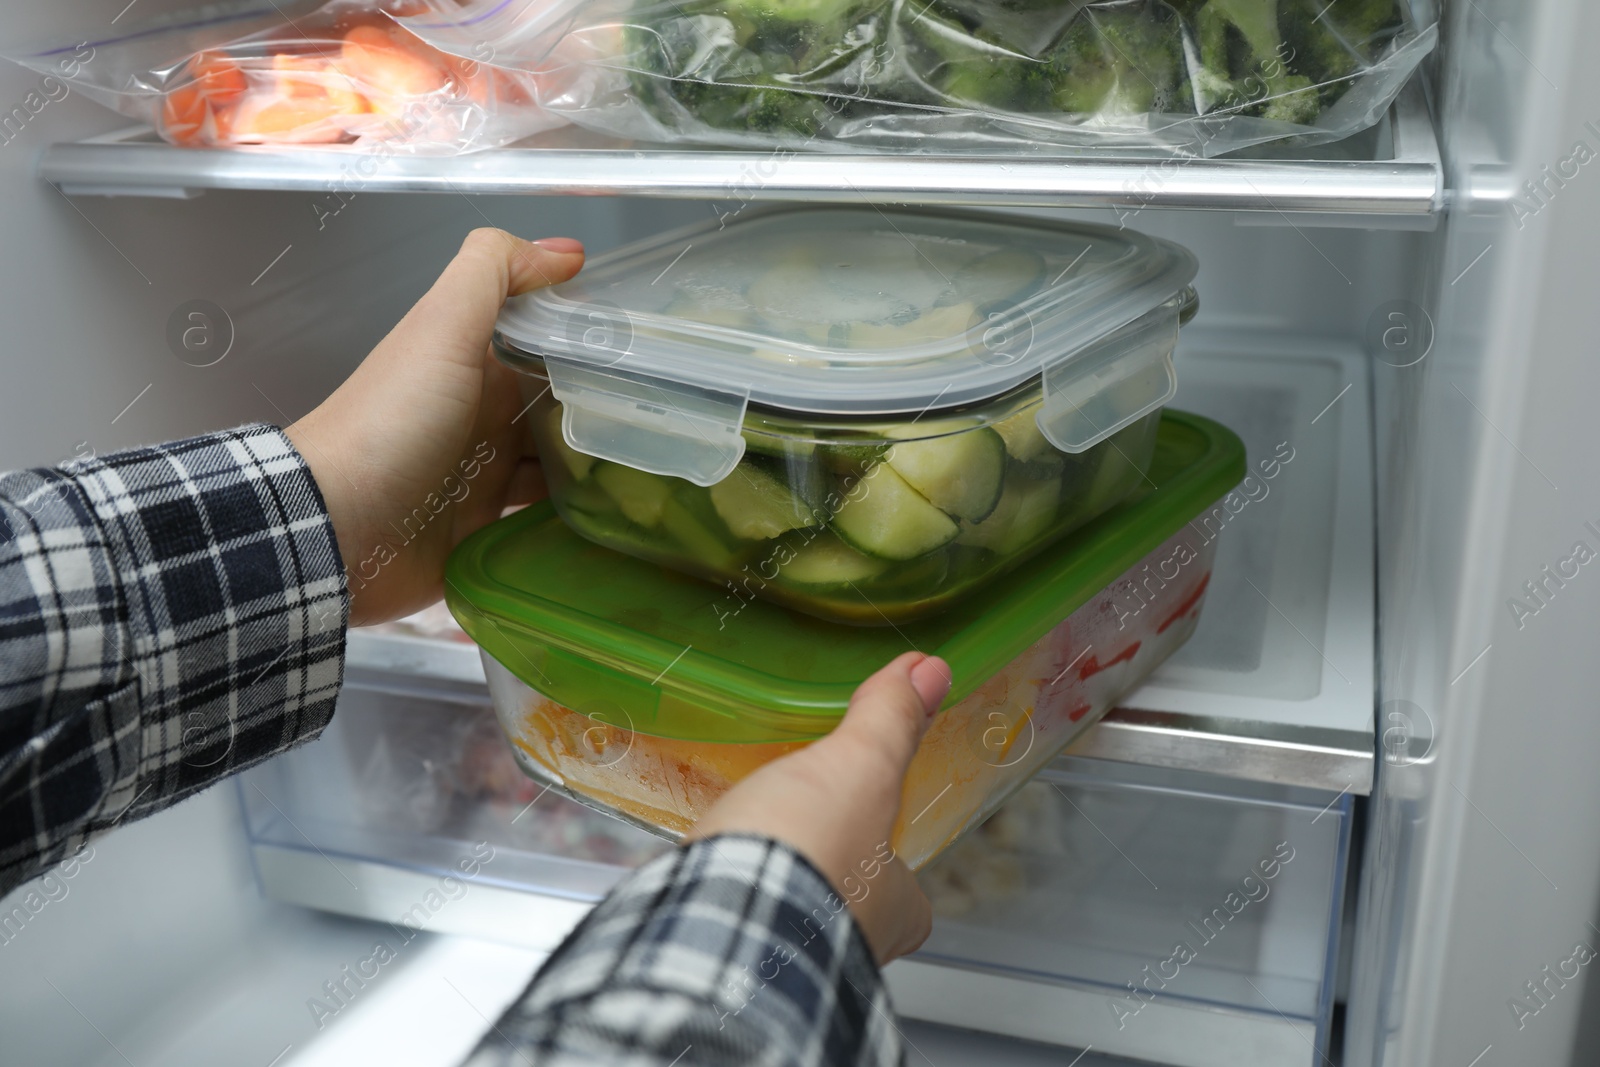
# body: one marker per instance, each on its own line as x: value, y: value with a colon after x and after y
x: 1199, y: 77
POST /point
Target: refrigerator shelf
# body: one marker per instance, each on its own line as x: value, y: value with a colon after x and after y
x: 1387, y: 176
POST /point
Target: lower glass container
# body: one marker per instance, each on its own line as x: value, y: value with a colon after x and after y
x: 977, y: 753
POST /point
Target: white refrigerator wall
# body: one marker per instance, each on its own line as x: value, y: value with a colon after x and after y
x: 1481, y: 856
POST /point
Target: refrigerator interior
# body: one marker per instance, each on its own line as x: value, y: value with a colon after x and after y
x: 163, y: 949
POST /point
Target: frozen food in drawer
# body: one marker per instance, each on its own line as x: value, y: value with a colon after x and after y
x: 421, y: 779
x: 881, y: 410
x: 1138, y: 899
x: 649, y: 694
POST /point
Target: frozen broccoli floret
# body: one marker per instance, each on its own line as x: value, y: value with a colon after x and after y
x: 1361, y: 21
x: 767, y: 66
x: 1246, y: 64
x: 1117, y: 62
x: 1334, y: 41
x: 1018, y: 85
x: 966, y: 69
x: 1256, y: 21
x: 1294, y: 99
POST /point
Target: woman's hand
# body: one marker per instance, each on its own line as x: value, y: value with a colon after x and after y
x: 418, y: 448
x: 836, y: 801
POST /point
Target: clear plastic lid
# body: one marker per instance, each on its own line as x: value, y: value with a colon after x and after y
x: 656, y: 349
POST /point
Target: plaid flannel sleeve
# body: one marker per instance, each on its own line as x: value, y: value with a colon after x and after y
x: 168, y: 616
x: 733, y: 951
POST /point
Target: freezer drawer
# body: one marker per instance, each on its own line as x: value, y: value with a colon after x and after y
x: 1169, y: 916
x: 410, y: 810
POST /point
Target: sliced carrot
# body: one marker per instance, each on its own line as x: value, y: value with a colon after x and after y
x: 183, y: 115
x: 313, y: 78
x: 219, y: 77
x: 393, y: 68
x: 260, y: 119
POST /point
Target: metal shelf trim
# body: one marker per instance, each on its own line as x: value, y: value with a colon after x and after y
x: 569, y: 162
x: 1334, y: 760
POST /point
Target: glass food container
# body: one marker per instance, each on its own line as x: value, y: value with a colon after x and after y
x: 864, y: 414
x: 648, y: 694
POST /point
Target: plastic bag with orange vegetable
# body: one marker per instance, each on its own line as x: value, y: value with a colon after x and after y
x: 343, y: 73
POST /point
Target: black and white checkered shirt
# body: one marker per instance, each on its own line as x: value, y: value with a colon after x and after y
x: 171, y: 615
x: 731, y: 951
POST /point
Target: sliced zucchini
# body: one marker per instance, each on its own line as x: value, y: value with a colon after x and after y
x: 1036, y: 511
x: 992, y: 530
x: 693, y: 525
x: 588, y: 497
x: 805, y: 477
x: 1025, y: 511
x: 640, y: 494
x: 756, y: 505
x: 853, y: 458
x: 1022, y: 435
x: 614, y: 533
x: 913, y: 580
x: 1048, y: 466
x: 1009, y: 274
x: 961, y: 473
x: 828, y: 561
x: 578, y: 464
x: 855, y: 279
x: 891, y: 520
x: 1120, y: 467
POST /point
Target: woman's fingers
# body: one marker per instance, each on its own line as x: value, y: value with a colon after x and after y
x: 456, y: 316
x: 891, y: 710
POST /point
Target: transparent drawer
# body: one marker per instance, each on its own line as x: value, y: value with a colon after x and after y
x: 1138, y: 910
x: 1059, y: 920
x: 411, y: 796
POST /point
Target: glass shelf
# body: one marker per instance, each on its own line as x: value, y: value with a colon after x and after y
x: 1387, y: 176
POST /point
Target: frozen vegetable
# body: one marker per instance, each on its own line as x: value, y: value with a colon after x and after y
x: 342, y: 73
x: 800, y: 71
x: 869, y: 528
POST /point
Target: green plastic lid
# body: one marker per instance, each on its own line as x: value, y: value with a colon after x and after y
x: 592, y: 629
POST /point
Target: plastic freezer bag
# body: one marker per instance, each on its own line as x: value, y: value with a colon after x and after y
x: 1199, y: 77
x: 268, y: 73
